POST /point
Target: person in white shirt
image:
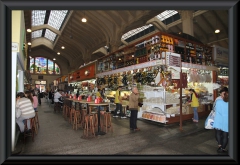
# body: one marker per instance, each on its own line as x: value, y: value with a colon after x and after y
x: 58, y: 97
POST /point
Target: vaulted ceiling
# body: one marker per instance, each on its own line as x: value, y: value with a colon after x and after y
x: 106, y: 27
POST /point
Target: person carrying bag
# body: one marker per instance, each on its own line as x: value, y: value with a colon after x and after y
x: 210, y: 120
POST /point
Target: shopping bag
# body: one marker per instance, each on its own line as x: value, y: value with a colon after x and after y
x: 210, y: 120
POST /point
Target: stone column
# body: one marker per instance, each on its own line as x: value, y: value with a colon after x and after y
x: 114, y: 45
x: 187, y: 21
x: 20, y: 81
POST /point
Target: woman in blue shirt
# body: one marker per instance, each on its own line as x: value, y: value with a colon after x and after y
x: 221, y: 123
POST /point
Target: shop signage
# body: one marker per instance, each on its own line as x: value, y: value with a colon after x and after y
x: 181, y: 43
x: 14, y: 47
x: 173, y: 60
x: 220, y: 54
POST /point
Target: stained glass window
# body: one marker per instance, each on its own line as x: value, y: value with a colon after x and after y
x: 32, y: 66
x: 50, y: 67
x: 41, y: 65
x: 57, y: 69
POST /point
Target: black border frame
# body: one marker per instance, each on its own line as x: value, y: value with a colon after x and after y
x: 5, y: 70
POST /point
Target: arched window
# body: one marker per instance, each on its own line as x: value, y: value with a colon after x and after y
x: 41, y: 65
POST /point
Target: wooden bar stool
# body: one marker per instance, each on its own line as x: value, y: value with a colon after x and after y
x: 88, y: 126
x: 95, y: 119
x: 83, y: 114
x: 77, y: 120
x: 68, y: 112
x: 57, y: 107
x: 71, y: 115
x: 107, y: 122
x: 36, y: 124
x: 26, y: 132
x: 64, y: 110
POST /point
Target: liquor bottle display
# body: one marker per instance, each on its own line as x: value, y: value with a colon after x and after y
x: 154, y: 47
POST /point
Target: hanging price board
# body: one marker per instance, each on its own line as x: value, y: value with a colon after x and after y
x: 173, y: 60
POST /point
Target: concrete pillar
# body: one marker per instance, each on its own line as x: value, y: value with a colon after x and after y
x: 20, y: 81
x: 114, y: 45
x: 18, y: 37
x: 187, y: 21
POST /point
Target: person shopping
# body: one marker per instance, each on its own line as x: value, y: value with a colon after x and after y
x: 133, y: 107
x: 221, y: 123
x: 118, y: 102
x: 194, y: 104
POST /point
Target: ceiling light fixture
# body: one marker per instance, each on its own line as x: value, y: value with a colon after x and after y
x: 54, y: 58
x: 217, y: 31
x: 29, y: 30
x: 84, y: 19
x: 58, y: 53
x: 29, y: 43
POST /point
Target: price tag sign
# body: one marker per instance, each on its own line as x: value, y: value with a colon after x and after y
x: 173, y: 60
x: 175, y: 74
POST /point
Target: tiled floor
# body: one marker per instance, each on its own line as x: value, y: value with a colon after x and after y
x: 56, y: 137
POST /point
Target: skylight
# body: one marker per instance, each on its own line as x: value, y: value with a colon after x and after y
x: 38, y: 17
x: 135, y: 31
x: 37, y: 34
x: 166, y: 14
x: 56, y: 18
x: 50, y: 35
x: 53, y: 18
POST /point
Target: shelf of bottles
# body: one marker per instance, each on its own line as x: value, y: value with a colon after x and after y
x: 155, y: 47
x: 208, y: 56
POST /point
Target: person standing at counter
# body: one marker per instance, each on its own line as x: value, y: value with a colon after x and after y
x: 98, y: 93
x: 194, y: 104
x: 58, y: 97
x: 133, y: 107
x: 118, y: 102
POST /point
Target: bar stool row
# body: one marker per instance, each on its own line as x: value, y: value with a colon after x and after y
x: 82, y: 119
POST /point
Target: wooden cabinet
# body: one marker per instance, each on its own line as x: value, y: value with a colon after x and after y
x: 154, y: 47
